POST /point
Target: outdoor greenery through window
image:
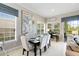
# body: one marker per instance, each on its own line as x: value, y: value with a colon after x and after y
x: 72, y: 27
x: 7, y: 27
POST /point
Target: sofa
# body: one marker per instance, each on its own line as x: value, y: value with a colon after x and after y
x: 72, y: 49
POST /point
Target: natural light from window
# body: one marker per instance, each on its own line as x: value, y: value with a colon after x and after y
x: 7, y: 27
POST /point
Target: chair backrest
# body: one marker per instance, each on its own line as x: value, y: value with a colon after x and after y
x: 48, y: 38
x: 24, y: 43
x: 43, y: 42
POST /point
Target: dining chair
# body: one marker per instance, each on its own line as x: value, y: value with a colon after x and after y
x: 48, y: 40
x: 42, y: 43
x: 24, y: 45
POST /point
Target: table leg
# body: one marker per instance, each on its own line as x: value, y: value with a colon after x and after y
x: 35, y: 50
x: 57, y: 38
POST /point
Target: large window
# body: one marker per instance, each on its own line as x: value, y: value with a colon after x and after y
x: 71, y: 24
x: 73, y: 27
x: 8, y: 16
x: 7, y: 27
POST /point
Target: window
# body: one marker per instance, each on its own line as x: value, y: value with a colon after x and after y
x: 40, y: 29
x: 73, y: 27
x: 49, y: 26
x: 7, y: 27
x: 8, y: 17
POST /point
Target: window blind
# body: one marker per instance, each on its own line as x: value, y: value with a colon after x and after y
x: 8, y: 10
x: 70, y: 18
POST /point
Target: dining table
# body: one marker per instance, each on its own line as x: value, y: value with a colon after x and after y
x: 35, y: 44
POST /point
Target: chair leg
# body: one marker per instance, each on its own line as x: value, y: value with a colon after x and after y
x: 48, y: 45
x: 27, y: 53
x: 45, y: 49
x: 40, y: 52
x: 1, y: 48
x: 49, y: 42
x: 23, y: 51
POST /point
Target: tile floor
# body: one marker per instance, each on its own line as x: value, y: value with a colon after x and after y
x: 56, y: 49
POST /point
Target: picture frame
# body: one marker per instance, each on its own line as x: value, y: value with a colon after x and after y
x: 25, y: 22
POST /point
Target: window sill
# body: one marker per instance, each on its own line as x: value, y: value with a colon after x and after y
x: 10, y: 41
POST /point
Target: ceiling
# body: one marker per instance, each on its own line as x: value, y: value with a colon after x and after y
x: 50, y: 9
